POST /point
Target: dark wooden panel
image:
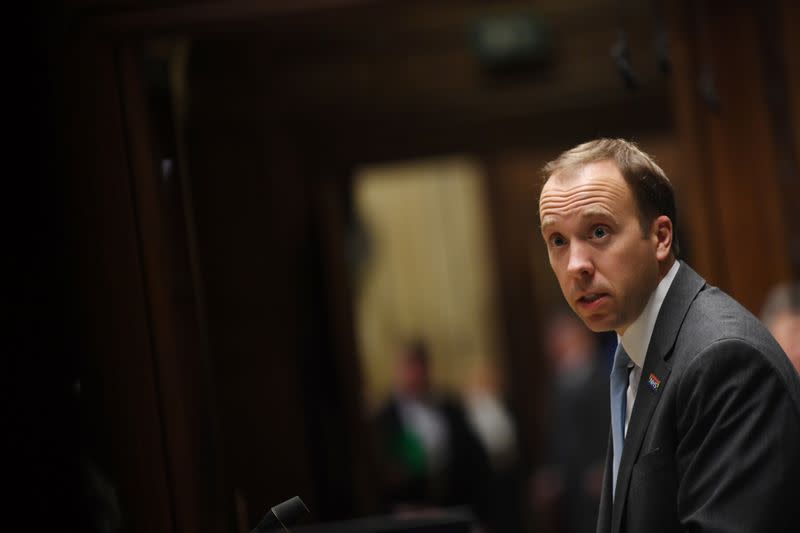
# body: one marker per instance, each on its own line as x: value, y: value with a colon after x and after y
x: 700, y: 205
x: 121, y: 405
x: 404, y: 69
x: 201, y: 498
x: 783, y: 45
x: 737, y: 205
x: 252, y: 240
x: 333, y: 221
x: 512, y: 203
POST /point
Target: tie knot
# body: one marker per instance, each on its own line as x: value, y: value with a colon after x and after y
x: 621, y: 359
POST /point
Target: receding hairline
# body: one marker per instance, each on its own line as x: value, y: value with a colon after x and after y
x: 570, y: 171
x: 620, y: 151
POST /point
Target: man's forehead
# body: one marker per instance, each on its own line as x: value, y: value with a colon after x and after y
x: 593, y: 211
x: 599, y: 190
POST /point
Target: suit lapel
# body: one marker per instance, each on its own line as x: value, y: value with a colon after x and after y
x: 655, y: 374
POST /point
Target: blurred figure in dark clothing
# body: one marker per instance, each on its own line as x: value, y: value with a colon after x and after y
x: 428, y: 457
x: 566, y: 489
x: 496, y: 427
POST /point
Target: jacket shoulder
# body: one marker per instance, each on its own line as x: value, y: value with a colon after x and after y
x: 718, y: 329
x: 714, y: 316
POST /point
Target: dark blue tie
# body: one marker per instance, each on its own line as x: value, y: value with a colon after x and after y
x: 619, y: 389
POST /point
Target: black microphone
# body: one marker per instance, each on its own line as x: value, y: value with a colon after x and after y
x: 282, y: 516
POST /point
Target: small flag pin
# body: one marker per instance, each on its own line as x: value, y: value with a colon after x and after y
x: 653, y: 381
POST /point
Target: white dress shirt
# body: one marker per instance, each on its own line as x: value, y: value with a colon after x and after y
x: 637, y: 337
x: 428, y: 424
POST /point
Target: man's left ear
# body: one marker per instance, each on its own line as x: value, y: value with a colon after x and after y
x: 662, y: 231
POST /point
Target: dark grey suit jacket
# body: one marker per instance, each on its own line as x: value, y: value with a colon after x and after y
x: 713, y: 442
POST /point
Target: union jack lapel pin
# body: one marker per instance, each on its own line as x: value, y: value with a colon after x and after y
x: 653, y: 381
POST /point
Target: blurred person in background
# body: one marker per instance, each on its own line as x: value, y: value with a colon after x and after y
x: 781, y: 315
x: 496, y: 427
x: 428, y: 457
x: 566, y: 487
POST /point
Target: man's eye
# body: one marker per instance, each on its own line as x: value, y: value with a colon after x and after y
x: 558, y: 240
x: 599, y: 232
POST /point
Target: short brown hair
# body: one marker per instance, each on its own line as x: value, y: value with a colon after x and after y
x: 649, y: 184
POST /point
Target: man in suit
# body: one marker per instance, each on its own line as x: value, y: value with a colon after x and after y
x: 427, y: 454
x: 705, y: 405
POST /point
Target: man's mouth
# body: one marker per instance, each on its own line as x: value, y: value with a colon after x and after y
x: 591, y: 298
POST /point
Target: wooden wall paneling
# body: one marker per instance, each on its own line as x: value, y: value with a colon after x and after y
x: 789, y: 17
x: 744, y: 159
x: 154, y: 17
x: 350, y: 16
x: 698, y: 201
x: 329, y: 411
x: 418, y: 73
x: 251, y: 213
x: 182, y: 368
x: 737, y: 196
x: 332, y: 202
x: 121, y: 410
x: 514, y: 222
x: 778, y: 32
x: 255, y: 183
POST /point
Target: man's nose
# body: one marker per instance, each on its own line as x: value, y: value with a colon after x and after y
x: 580, y: 261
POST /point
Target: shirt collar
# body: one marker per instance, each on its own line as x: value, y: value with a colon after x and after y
x: 637, y: 337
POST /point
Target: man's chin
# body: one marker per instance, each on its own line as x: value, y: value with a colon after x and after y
x: 598, y: 324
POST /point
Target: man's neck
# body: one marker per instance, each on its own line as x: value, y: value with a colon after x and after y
x: 636, y: 337
x: 664, y: 267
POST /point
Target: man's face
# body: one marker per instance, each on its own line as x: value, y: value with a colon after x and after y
x: 412, y: 376
x: 606, y: 267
